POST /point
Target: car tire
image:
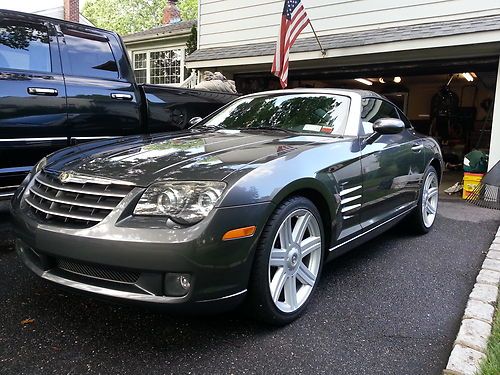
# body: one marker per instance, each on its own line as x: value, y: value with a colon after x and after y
x: 423, y: 217
x: 287, y: 263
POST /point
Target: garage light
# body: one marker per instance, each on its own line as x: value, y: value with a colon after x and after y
x: 364, y: 81
x: 397, y: 79
x: 468, y: 77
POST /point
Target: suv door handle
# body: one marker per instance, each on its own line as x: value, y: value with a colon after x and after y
x: 117, y: 96
x: 417, y: 147
x: 42, y: 91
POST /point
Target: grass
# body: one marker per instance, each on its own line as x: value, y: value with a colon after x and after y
x: 491, y: 365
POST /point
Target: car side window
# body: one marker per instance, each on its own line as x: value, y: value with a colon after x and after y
x: 24, y: 46
x: 374, y: 109
x: 89, y: 56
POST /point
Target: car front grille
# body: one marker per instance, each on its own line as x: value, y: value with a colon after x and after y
x: 98, y: 271
x: 80, y: 205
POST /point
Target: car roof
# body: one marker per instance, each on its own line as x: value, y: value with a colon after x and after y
x: 333, y: 91
x: 37, y: 17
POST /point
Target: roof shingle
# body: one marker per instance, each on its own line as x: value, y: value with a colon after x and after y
x: 356, y: 39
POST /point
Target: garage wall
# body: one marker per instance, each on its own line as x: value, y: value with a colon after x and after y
x: 236, y: 22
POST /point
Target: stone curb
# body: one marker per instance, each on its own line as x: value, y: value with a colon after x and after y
x: 472, y: 339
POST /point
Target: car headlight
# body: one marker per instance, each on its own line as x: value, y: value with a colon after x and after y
x: 185, y: 202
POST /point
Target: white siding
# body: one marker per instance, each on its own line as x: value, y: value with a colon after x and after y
x: 235, y: 22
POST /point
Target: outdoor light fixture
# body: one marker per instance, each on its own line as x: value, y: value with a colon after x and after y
x: 397, y: 79
x: 364, y: 81
x: 468, y: 77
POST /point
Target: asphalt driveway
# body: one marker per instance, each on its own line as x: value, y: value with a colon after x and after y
x: 392, y: 306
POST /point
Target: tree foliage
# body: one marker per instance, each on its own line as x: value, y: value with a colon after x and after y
x: 189, y: 9
x: 125, y: 16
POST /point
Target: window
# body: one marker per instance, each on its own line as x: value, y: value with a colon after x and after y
x: 374, y: 109
x: 311, y: 113
x: 141, y: 67
x: 24, y: 46
x: 404, y: 119
x: 90, y: 56
x: 161, y: 67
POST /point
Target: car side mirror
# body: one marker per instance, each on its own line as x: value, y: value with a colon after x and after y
x: 385, y: 126
x: 194, y: 121
x: 388, y: 126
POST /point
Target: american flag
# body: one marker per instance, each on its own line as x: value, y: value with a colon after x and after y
x: 293, y: 21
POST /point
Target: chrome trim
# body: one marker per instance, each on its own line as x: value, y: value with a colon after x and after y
x: 350, y: 190
x: 95, y: 219
x: 372, y: 229
x: 79, y: 191
x: 34, y: 139
x: 6, y: 195
x: 100, y: 206
x: 108, y: 292
x: 223, y: 298
x: 80, y: 178
x: 42, y: 91
x: 350, y: 199
x: 350, y: 208
x: 93, y: 138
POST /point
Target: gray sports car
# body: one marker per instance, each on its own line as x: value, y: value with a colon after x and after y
x: 246, y: 206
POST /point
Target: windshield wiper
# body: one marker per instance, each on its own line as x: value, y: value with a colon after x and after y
x: 270, y: 128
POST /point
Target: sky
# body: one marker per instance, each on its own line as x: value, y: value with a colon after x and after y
x: 32, y: 5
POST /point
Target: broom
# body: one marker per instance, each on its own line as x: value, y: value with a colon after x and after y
x: 487, y: 193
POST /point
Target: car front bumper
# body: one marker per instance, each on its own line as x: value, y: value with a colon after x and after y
x: 129, y: 258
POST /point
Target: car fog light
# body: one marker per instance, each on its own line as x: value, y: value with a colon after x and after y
x: 177, y: 284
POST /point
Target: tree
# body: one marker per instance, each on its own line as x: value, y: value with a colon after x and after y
x: 125, y: 16
x: 189, y: 9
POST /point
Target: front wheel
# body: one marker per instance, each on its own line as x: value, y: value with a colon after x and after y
x: 288, y: 262
x: 425, y: 213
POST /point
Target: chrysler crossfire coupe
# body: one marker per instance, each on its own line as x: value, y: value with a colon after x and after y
x: 244, y: 207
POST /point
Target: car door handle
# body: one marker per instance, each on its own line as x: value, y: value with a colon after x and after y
x: 118, y: 96
x: 42, y: 91
x: 417, y: 147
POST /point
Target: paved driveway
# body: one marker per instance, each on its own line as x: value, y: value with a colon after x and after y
x: 392, y: 306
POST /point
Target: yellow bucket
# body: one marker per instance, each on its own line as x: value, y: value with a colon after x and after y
x: 471, y: 180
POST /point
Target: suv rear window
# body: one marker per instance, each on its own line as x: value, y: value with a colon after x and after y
x: 24, y: 46
x: 89, y: 56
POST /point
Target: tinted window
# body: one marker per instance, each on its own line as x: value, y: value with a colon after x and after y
x: 374, y: 109
x: 24, y: 46
x: 302, y: 113
x: 404, y: 119
x: 90, y: 57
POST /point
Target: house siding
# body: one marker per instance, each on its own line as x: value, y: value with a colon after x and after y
x: 228, y: 23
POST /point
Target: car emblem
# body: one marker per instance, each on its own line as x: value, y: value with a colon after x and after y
x: 64, y: 177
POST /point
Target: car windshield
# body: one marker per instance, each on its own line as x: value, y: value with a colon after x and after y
x: 308, y: 113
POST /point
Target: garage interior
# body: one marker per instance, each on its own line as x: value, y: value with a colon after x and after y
x: 449, y: 100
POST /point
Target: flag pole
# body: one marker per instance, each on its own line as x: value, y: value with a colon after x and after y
x: 323, y: 52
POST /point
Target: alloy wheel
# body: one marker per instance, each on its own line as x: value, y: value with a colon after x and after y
x: 295, y: 260
x: 430, y: 199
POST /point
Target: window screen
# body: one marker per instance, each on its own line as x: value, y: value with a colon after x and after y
x: 90, y: 57
x: 24, y: 46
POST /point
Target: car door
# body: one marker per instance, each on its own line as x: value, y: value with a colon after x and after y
x: 32, y: 98
x: 392, y: 166
x: 102, y: 100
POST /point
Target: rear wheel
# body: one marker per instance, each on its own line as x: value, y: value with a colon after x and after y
x: 425, y: 213
x: 288, y: 262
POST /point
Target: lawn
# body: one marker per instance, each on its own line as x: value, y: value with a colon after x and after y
x: 491, y: 365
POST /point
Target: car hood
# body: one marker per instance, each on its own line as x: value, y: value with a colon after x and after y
x: 185, y: 156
